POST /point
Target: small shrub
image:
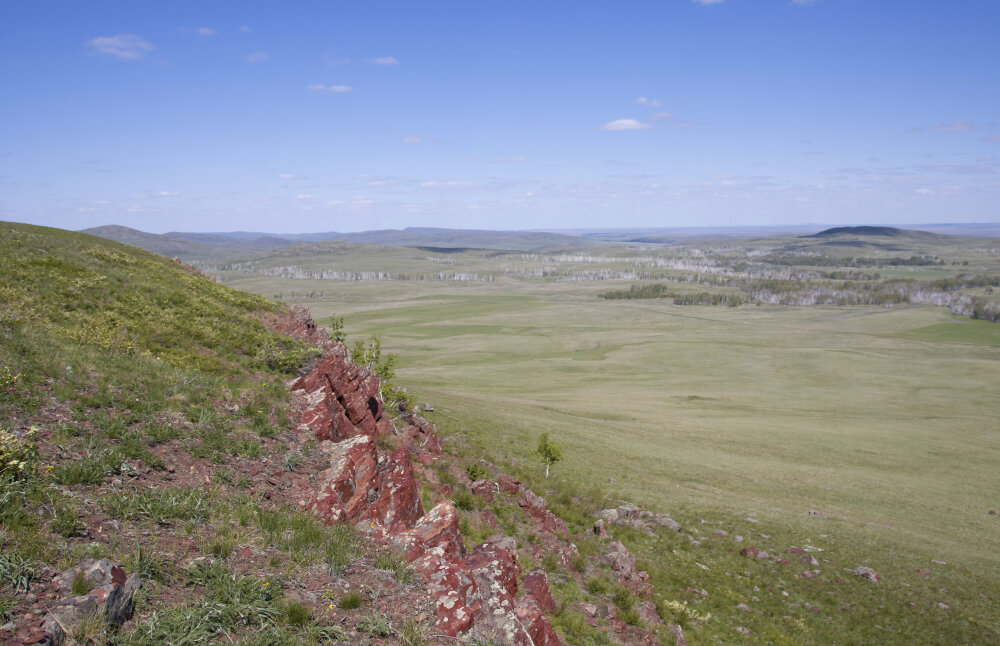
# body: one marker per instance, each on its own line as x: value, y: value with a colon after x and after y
x: 18, y: 454
x: 16, y: 571
x: 350, y: 601
x: 413, y: 633
x: 292, y: 460
x: 477, y: 471
x: 295, y: 614
x: 377, y: 625
x: 598, y: 585
x: 464, y: 499
x: 551, y: 562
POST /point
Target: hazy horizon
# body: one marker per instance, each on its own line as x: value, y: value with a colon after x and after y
x: 692, y: 113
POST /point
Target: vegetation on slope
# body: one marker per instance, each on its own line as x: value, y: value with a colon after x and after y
x: 143, y: 418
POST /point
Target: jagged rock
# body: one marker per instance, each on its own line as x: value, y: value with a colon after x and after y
x: 532, y: 621
x: 750, y: 551
x: 623, y: 567
x: 112, y: 599
x: 508, y: 484
x: 484, y: 489
x: 347, y: 483
x: 396, y: 505
x: 343, y: 399
x: 599, y: 527
x: 436, y: 528
x: 867, y: 574
x: 536, y: 584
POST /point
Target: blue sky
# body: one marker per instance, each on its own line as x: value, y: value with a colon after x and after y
x: 337, y: 116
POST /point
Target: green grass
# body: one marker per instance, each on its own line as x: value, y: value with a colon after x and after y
x: 881, y: 419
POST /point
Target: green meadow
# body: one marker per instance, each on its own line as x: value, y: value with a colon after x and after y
x: 869, y: 432
x: 880, y: 418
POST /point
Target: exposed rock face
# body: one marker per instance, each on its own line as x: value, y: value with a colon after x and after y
x: 378, y: 492
x: 343, y: 399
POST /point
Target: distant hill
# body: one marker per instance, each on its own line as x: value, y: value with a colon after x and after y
x: 163, y: 244
x: 203, y: 245
x: 891, y: 232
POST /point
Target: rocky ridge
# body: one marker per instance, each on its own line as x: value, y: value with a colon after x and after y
x: 474, y: 591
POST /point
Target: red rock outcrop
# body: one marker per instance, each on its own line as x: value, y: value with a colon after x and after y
x: 378, y: 492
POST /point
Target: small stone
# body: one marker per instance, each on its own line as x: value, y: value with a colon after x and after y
x: 721, y: 532
x: 993, y: 512
x: 8, y: 627
x: 939, y: 562
x: 943, y: 606
x: 738, y: 538
x: 750, y: 551
x: 817, y: 514
x: 742, y: 606
x: 741, y: 630
x: 867, y: 574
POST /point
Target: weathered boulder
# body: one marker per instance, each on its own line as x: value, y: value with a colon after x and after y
x: 623, y: 567
x: 349, y: 483
x: 112, y: 599
x: 436, y: 528
x: 867, y: 574
x: 536, y: 585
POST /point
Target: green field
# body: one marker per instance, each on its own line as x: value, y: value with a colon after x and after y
x: 880, y: 420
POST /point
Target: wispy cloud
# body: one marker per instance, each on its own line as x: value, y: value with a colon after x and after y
x: 385, y: 60
x: 992, y: 139
x: 625, y: 124
x: 708, y: 2
x: 670, y: 120
x: 334, y: 89
x: 412, y: 139
x: 286, y: 176
x: 802, y: 3
x: 205, y: 31
x: 126, y: 47
x: 509, y: 160
x: 651, y: 102
x: 954, y: 126
x: 165, y: 194
x: 256, y: 57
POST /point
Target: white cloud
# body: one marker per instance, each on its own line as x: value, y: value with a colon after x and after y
x: 244, y: 29
x: 625, y: 124
x: 319, y: 87
x: 510, y: 160
x: 257, y: 57
x: 165, y: 194
x: 412, y: 139
x: 925, y: 191
x: 652, y: 102
x: 286, y: 176
x: 205, y: 31
x: 385, y: 60
x: 803, y: 3
x: 708, y: 2
x: 303, y: 196
x: 126, y: 47
x: 992, y: 139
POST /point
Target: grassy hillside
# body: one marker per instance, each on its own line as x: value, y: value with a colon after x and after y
x: 143, y: 418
